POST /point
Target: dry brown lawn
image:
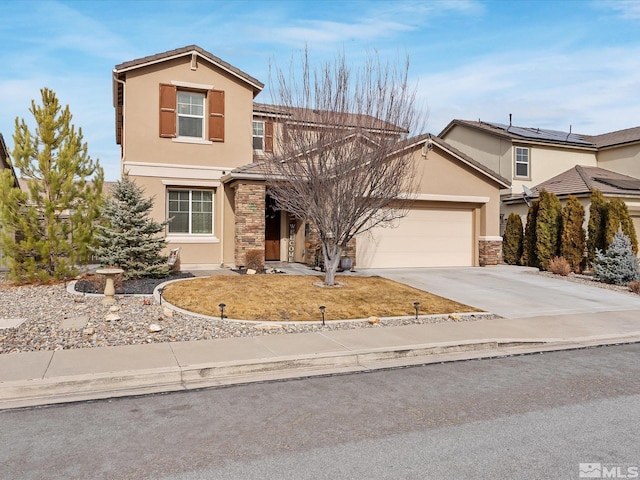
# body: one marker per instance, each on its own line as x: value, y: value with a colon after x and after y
x: 293, y: 297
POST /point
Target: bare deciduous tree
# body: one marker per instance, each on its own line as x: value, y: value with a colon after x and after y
x: 339, y: 161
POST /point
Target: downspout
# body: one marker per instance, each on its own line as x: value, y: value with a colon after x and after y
x: 115, y: 104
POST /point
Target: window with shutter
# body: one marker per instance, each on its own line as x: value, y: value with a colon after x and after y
x: 268, y: 136
x: 167, y: 110
x: 216, y: 115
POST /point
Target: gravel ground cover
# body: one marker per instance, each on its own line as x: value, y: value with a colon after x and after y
x: 56, y: 319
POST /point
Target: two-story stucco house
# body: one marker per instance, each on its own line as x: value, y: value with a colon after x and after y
x: 563, y: 163
x: 192, y: 136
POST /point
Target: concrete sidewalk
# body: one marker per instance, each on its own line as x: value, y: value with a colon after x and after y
x: 47, y: 377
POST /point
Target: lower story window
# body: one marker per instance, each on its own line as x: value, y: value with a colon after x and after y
x: 191, y: 211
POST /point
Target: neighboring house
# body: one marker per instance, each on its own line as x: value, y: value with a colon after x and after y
x: 580, y: 181
x: 4, y: 164
x: 540, y: 158
x: 192, y: 137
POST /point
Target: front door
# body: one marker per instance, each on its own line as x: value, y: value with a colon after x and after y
x: 272, y: 231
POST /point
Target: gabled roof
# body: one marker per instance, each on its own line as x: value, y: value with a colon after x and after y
x: 326, y: 118
x: 258, y: 169
x: 187, y: 51
x: 581, y: 181
x: 617, y: 138
x: 525, y: 134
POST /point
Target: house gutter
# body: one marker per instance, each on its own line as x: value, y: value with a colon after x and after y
x: 123, y: 155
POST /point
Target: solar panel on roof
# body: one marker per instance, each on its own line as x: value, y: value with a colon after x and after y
x: 543, y: 134
x: 622, y: 183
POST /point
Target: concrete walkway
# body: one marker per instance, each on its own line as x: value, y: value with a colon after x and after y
x: 46, y: 377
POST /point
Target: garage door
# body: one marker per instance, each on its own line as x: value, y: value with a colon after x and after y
x: 424, y: 238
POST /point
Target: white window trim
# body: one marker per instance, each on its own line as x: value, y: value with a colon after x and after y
x: 187, y: 139
x: 516, y: 163
x: 261, y: 136
x: 196, y: 237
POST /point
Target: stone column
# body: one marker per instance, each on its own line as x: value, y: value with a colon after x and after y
x: 490, y: 251
x: 249, y: 220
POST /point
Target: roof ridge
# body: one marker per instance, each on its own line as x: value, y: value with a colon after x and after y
x: 583, y: 175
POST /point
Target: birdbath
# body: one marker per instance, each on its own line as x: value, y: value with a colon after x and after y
x: 109, y: 288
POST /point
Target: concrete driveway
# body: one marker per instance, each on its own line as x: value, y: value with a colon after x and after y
x: 512, y: 292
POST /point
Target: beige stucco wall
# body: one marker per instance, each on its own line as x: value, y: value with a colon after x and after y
x: 142, y: 142
x: 441, y: 174
x: 625, y: 160
x: 492, y: 151
x: 498, y: 154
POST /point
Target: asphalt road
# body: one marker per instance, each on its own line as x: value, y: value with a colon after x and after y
x: 535, y: 416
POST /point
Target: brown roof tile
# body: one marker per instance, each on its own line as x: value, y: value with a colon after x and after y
x: 179, y: 52
x: 619, y: 137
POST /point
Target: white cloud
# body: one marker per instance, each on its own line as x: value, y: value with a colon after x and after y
x: 627, y: 9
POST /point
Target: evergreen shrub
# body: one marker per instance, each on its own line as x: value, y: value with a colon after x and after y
x: 618, y: 265
x: 512, y: 240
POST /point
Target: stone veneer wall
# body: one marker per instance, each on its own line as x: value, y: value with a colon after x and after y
x: 313, y: 240
x: 490, y: 251
x: 249, y: 220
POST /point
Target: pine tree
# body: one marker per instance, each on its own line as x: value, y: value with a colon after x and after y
x: 129, y: 237
x: 529, y: 257
x: 618, y: 265
x: 548, y: 224
x: 572, y: 239
x: 618, y: 218
x: 595, y: 228
x: 48, y: 229
x: 512, y: 240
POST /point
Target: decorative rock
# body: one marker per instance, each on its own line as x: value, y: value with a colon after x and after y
x: 251, y: 271
x: 114, y: 308
x: 167, y: 312
x: 154, y: 328
x: 269, y: 326
x: 454, y: 317
x: 89, y: 331
x: 373, y: 320
x: 112, y: 317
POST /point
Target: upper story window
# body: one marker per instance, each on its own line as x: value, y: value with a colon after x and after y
x: 191, y: 211
x: 258, y: 135
x: 192, y: 114
x: 263, y: 136
x: 522, y: 162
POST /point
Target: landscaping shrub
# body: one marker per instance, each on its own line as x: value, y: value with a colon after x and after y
x: 254, y: 260
x: 618, y: 265
x: 547, y: 232
x: 618, y: 218
x: 512, y: 240
x: 572, y: 238
x: 635, y: 287
x: 595, y: 229
x: 529, y: 257
x: 560, y: 266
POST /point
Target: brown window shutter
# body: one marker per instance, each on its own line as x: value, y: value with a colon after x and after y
x: 268, y: 136
x: 216, y: 115
x: 168, y: 101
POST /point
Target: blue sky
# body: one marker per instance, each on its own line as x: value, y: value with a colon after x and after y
x: 549, y: 63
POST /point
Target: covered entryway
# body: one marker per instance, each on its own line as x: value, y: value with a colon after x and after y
x: 426, y: 237
x: 272, y: 223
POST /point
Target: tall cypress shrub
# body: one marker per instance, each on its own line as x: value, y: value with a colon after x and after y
x: 595, y: 228
x: 529, y: 257
x: 548, y: 224
x: 512, y: 240
x: 572, y: 238
x: 618, y: 218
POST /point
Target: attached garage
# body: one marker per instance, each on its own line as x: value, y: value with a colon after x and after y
x: 426, y: 237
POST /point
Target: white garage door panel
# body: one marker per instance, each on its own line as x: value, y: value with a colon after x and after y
x: 424, y: 238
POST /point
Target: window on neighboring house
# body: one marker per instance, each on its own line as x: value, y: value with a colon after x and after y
x: 192, y: 211
x: 263, y: 136
x: 191, y: 114
x: 522, y: 162
x: 258, y: 135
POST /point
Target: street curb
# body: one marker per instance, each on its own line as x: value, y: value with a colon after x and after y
x: 46, y: 391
